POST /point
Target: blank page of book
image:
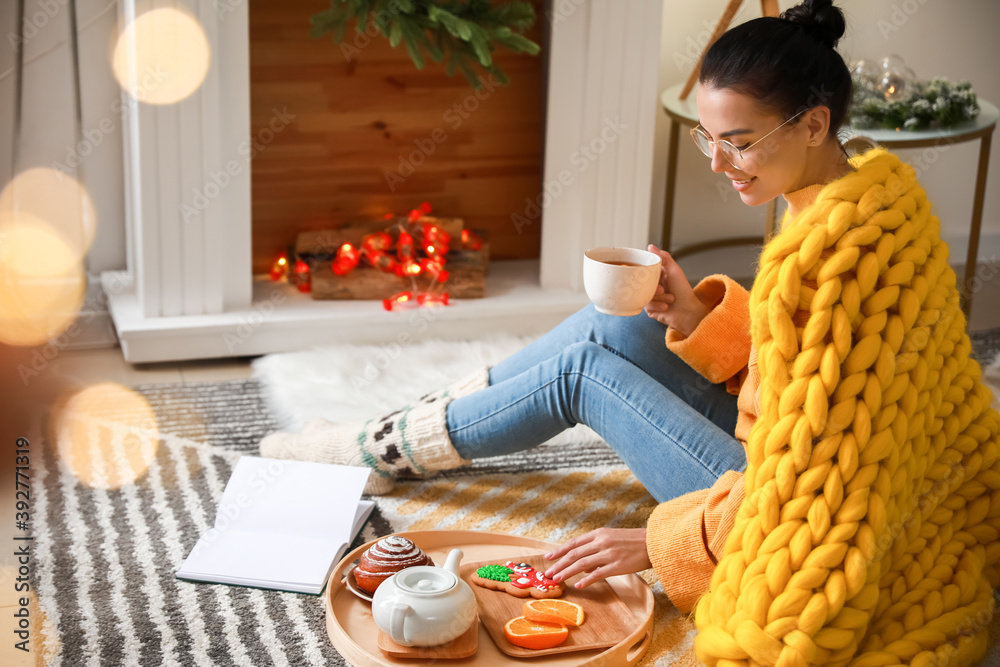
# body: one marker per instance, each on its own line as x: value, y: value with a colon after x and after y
x: 291, y: 497
x: 279, y: 524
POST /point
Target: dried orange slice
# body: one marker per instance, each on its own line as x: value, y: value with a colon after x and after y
x: 534, y: 634
x: 553, y: 611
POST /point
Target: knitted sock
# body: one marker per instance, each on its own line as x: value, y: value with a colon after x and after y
x: 412, y: 440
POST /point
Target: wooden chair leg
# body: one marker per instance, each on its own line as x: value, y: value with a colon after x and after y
x: 727, y: 17
x: 769, y: 8
x: 771, y: 220
x: 972, y: 254
x: 668, y: 205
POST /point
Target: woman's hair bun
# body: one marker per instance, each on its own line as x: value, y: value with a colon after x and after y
x: 819, y: 17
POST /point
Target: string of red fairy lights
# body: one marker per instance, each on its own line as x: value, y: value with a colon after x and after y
x: 419, y: 250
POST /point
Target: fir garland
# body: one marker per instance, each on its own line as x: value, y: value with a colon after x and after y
x: 459, y: 32
x: 928, y: 102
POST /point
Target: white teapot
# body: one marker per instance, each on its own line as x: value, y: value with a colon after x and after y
x: 425, y: 605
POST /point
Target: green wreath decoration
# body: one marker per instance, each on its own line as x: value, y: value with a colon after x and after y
x: 461, y: 33
x: 925, y: 103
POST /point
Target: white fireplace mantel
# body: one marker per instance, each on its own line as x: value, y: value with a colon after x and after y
x: 188, y: 292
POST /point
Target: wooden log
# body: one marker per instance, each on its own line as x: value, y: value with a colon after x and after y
x: 323, y: 244
x: 466, y: 279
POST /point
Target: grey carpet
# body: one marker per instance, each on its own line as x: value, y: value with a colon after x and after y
x: 985, y: 345
x: 106, y: 558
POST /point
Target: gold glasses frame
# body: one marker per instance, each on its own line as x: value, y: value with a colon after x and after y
x: 727, y: 147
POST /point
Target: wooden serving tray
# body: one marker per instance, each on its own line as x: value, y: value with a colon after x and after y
x: 353, y: 632
x: 607, y: 620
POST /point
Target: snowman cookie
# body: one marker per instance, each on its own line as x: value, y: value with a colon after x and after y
x: 518, y: 579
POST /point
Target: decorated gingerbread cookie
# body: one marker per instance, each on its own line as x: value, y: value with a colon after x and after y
x: 518, y: 579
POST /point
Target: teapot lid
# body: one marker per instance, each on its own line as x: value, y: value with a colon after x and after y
x: 425, y: 580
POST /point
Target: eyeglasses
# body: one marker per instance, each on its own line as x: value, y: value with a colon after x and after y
x: 733, y: 154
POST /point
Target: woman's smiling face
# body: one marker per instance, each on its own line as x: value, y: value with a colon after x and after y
x: 776, y: 165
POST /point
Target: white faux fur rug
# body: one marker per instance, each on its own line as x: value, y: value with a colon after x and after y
x: 351, y: 382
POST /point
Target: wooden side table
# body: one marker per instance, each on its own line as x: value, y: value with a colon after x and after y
x: 685, y: 112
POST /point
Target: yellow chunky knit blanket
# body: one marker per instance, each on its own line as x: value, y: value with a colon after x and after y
x: 869, y: 532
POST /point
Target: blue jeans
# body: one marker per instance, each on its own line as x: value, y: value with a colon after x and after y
x: 671, y: 426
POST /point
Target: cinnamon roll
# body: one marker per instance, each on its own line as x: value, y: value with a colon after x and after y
x: 386, y: 557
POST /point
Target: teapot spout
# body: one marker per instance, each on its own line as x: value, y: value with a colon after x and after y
x: 454, y: 558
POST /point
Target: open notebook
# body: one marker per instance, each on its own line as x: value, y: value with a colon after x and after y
x: 282, y: 525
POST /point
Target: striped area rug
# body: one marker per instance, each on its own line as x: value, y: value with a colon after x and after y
x: 107, y: 552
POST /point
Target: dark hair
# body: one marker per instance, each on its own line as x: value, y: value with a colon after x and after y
x: 788, y: 64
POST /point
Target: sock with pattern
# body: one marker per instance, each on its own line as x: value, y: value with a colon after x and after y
x: 410, y: 441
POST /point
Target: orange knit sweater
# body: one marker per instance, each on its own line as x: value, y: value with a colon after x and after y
x: 685, y: 536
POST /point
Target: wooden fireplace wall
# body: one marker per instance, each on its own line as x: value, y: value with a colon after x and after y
x: 339, y: 138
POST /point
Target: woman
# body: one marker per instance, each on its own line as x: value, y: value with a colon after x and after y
x: 773, y: 93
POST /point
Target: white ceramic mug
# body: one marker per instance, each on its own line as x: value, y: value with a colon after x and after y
x: 620, y: 290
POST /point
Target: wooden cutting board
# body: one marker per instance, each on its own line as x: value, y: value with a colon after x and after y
x: 607, y: 620
x: 462, y: 647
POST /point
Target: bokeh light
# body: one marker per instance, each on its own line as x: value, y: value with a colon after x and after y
x: 42, y: 280
x: 56, y: 198
x: 106, y: 435
x: 161, y: 57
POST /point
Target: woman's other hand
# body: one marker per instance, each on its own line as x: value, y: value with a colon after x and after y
x: 602, y: 553
x: 675, y: 303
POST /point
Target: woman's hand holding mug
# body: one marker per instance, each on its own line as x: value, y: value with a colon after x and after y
x: 675, y: 303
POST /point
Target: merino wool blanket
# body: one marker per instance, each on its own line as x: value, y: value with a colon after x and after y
x: 869, y: 531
